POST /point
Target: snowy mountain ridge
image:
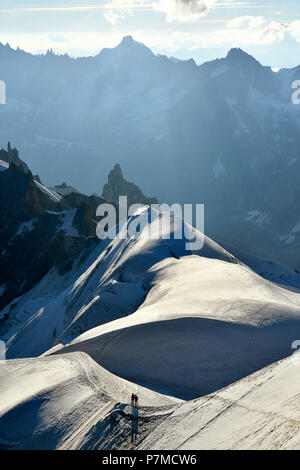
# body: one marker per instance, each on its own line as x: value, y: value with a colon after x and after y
x: 151, y: 290
x: 167, y: 115
x: 207, y: 338
x: 188, y: 325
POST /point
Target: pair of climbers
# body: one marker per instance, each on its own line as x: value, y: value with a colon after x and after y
x: 134, y: 399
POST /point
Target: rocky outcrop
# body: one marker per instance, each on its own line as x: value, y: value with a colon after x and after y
x: 68, y: 249
x: 27, y: 255
x: 64, y: 189
x: 36, y: 232
x: 11, y: 155
x: 21, y: 199
x: 85, y: 219
x: 118, y: 186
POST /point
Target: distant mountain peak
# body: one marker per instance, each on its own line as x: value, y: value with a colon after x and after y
x: 6, y: 50
x: 128, y: 41
x: 236, y: 53
x: 117, y: 186
x: 116, y: 172
x: 127, y: 47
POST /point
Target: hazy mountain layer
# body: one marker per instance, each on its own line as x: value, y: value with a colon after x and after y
x: 224, y: 133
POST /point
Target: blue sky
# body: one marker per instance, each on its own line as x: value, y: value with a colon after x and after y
x: 202, y: 29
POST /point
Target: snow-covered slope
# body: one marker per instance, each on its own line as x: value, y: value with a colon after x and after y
x: 3, y: 165
x: 108, y: 284
x: 272, y: 270
x: 69, y: 402
x: 53, y: 195
x: 52, y: 402
x: 205, y: 324
x: 161, y: 285
x: 165, y: 322
x: 259, y: 412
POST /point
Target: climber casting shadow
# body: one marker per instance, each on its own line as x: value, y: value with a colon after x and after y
x: 135, y: 417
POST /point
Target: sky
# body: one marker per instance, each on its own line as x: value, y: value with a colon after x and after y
x: 201, y: 29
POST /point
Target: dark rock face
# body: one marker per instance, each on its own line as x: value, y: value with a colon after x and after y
x: 85, y: 218
x: 118, y: 186
x: 12, y: 156
x: 21, y: 199
x: 38, y: 233
x: 28, y: 224
x: 27, y: 256
x: 68, y: 248
x: 32, y: 234
x: 84, y: 221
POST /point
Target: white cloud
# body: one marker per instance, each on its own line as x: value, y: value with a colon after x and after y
x: 185, y: 11
x: 255, y: 30
x: 240, y: 32
x: 116, y: 10
x: 248, y: 21
x: 294, y: 29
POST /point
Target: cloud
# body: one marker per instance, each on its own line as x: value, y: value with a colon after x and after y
x: 256, y: 30
x: 294, y: 29
x: 241, y: 32
x: 116, y: 10
x: 180, y: 11
x: 185, y: 11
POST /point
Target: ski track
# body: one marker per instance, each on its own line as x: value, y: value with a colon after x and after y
x: 94, y: 419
